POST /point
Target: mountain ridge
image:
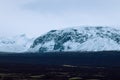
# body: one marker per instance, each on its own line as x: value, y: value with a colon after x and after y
x: 78, y: 39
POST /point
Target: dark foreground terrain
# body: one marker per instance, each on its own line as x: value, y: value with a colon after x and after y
x: 60, y: 66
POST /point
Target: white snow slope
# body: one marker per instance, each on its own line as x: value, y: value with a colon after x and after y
x: 15, y: 44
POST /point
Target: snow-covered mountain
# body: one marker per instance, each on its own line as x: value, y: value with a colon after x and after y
x: 78, y: 39
x: 15, y: 44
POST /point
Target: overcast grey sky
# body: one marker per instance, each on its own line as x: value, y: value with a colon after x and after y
x: 35, y: 17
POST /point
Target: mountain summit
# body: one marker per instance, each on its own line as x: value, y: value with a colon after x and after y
x: 78, y: 39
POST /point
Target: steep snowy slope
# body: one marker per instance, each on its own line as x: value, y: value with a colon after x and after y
x: 15, y: 44
x: 78, y: 39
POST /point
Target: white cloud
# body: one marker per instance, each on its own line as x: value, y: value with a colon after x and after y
x: 35, y: 17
